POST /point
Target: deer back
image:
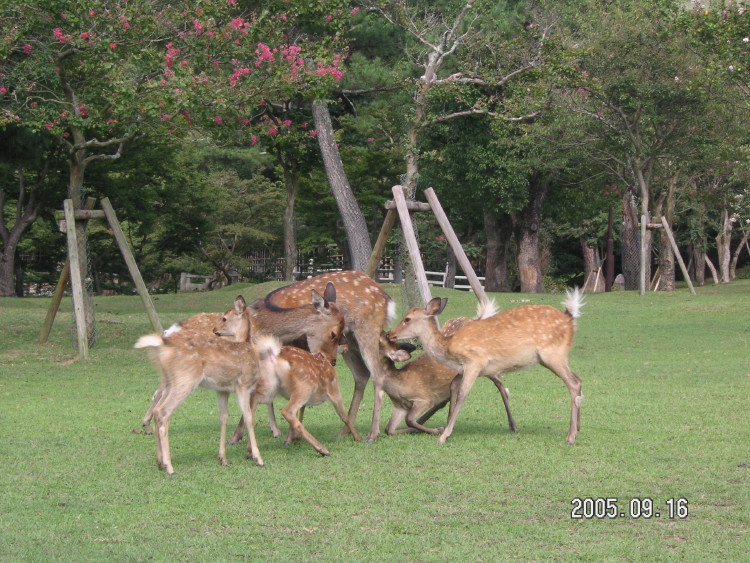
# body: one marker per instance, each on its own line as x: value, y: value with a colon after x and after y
x: 301, y: 373
x: 358, y: 297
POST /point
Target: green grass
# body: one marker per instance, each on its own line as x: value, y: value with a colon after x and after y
x: 666, y: 379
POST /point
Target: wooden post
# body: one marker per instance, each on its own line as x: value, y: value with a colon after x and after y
x: 75, y: 279
x: 411, y: 243
x: 377, y: 251
x: 677, y: 253
x: 122, y: 242
x: 458, y: 250
x: 62, y: 283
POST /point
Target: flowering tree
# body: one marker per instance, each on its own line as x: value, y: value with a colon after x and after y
x: 95, y: 75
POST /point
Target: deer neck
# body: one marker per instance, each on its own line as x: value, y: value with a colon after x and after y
x: 436, y: 345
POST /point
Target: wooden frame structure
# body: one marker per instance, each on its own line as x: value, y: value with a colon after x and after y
x: 664, y: 224
x: 401, y: 206
x: 72, y: 271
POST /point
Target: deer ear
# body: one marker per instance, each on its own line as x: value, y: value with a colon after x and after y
x: 436, y: 306
x: 330, y: 293
x: 318, y: 302
x: 239, y: 305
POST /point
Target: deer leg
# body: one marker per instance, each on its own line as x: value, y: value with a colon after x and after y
x: 222, y: 399
x: 173, y: 396
x: 559, y: 366
x: 248, y: 403
x: 497, y: 380
x: 238, y: 432
x: 289, y: 412
x: 272, y: 421
x: 155, y: 398
x: 459, y: 387
x: 334, y: 395
x: 411, y: 419
x: 431, y: 411
x: 359, y: 370
x: 369, y: 344
x: 397, y: 417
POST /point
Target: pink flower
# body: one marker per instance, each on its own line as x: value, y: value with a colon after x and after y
x: 287, y: 122
x: 3, y: 90
x: 28, y: 49
x: 313, y: 133
x: 92, y: 12
x: 329, y: 18
x: 370, y: 140
x: 84, y: 35
x: 48, y: 125
x: 253, y: 141
x: 113, y: 45
x: 272, y: 131
x: 217, y: 119
x: 355, y: 11
x: 165, y: 116
x: 126, y: 25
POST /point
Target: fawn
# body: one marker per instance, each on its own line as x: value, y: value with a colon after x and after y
x: 189, y: 359
x: 315, y: 323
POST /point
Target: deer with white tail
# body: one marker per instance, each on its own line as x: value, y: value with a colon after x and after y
x: 498, y: 343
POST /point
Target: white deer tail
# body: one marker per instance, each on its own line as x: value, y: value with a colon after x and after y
x: 573, y: 302
x: 149, y: 341
x: 486, y: 309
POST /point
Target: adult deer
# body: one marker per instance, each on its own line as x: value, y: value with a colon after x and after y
x: 317, y: 324
x: 367, y: 310
x: 498, y: 343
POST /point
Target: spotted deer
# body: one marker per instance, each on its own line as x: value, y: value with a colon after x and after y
x: 315, y: 324
x: 422, y: 386
x: 304, y: 379
x: 499, y: 343
x: 188, y: 359
x: 367, y: 310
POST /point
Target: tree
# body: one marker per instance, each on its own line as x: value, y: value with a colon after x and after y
x: 96, y: 78
x: 460, y: 68
x: 31, y: 163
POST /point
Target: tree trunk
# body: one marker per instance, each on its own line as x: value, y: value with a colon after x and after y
x: 499, y: 230
x: 291, y: 181
x: 354, y: 222
x: 666, y: 253
x: 28, y: 208
x: 723, y: 242
x: 593, y: 278
x: 736, y: 256
x: 699, y: 264
x: 527, y: 238
x: 630, y: 242
x: 451, y: 267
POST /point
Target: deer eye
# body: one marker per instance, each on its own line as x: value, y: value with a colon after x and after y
x: 407, y: 319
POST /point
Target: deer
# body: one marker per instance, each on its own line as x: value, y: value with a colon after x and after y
x: 189, y: 359
x: 313, y: 324
x: 498, y: 343
x: 422, y: 385
x: 367, y: 310
x: 305, y: 379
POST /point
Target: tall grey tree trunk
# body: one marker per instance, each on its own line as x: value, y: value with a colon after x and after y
x: 355, y: 225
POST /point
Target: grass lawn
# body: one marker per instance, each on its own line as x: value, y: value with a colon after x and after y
x: 666, y: 379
